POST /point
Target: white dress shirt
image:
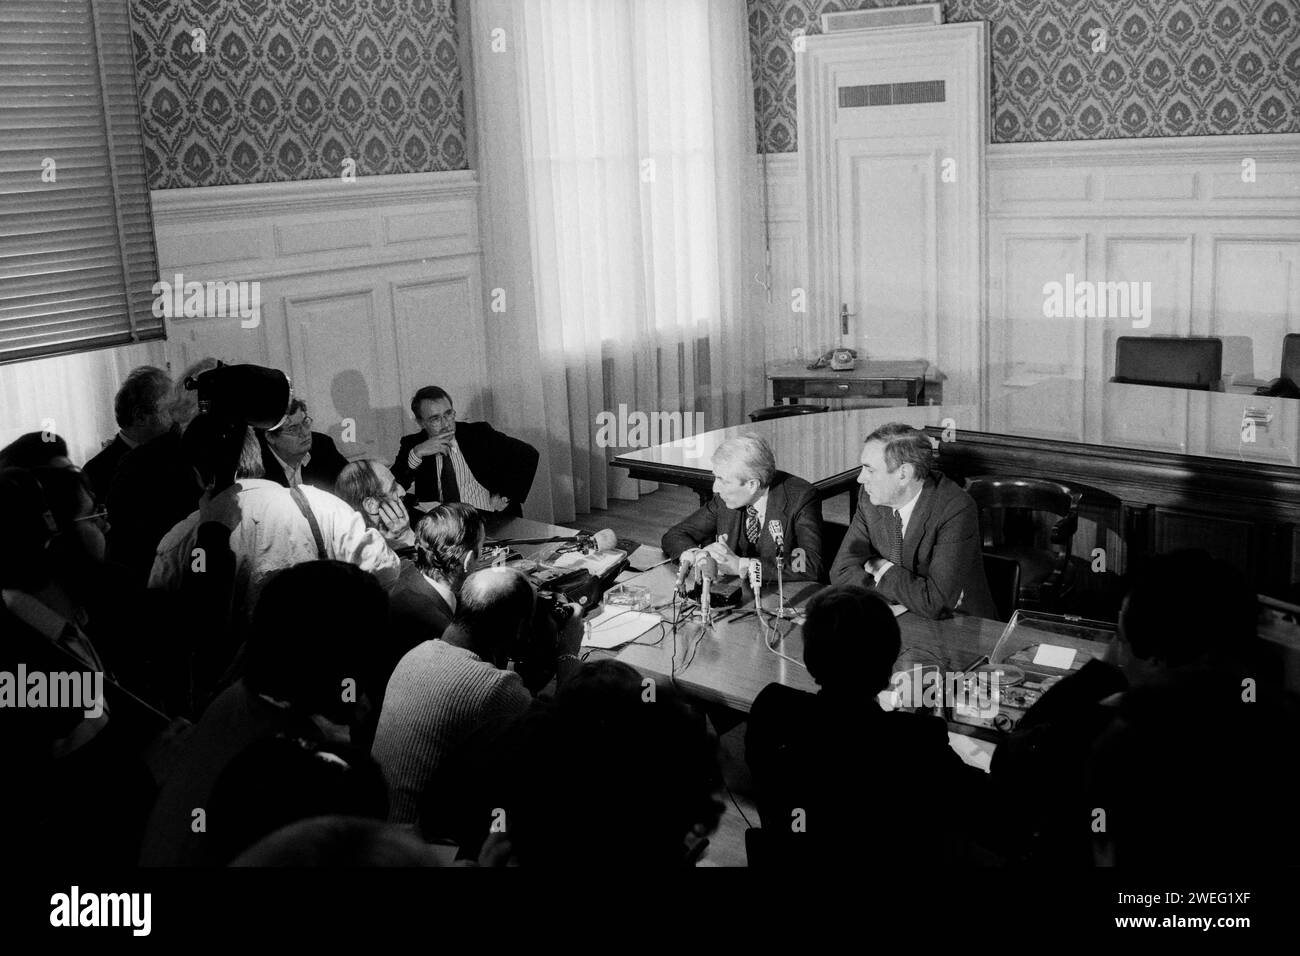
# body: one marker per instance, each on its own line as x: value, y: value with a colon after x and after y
x: 471, y: 492
x: 292, y: 475
x: 272, y: 534
x: 905, y: 512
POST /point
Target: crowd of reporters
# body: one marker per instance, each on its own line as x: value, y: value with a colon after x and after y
x: 299, y: 673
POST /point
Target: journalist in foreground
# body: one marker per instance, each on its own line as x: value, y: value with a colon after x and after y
x: 753, y: 504
x: 915, y: 536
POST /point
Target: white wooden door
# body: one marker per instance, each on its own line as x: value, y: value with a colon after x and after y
x: 892, y: 132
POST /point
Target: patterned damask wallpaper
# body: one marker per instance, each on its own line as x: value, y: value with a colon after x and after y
x: 1172, y: 67
x: 288, y: 89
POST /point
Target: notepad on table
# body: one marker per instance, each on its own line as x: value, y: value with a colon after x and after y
x: 615, y: 626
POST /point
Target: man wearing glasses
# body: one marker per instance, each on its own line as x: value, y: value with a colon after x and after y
x: 450, y: 461
x: 295, y: 455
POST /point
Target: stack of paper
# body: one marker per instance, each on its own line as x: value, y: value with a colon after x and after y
x: 615, y: 626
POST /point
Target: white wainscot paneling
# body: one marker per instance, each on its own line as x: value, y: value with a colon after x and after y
x: 1218, y: 241
x: 369, y: 290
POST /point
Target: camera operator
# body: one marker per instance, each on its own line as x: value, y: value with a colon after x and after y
x: 443, y: 689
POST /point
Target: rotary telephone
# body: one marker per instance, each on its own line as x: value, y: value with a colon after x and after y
x: 837, y: 360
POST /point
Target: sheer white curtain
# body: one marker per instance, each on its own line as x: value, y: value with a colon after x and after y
x: 74, y: 393
x: 636, y: 135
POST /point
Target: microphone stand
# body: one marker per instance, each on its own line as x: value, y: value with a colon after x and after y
x: 706, y: 600
x: 782, y: 611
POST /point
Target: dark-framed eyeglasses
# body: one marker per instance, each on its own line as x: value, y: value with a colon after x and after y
x: 304, y: 425
x: 448, y: 416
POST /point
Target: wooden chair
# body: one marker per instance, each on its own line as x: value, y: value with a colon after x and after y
x: 1042, y: 571
x: 1003, y: 575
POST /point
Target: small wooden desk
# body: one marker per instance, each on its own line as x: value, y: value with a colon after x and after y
x: 872, y: 380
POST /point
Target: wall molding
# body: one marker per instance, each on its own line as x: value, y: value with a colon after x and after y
x: 196, y: 204
x: 1159, y: 178
x: 368, y: 290
x: 1153, y: 151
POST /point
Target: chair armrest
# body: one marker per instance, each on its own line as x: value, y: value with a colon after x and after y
x: 1063, y: 531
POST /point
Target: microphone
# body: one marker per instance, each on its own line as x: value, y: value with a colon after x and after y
x: 778, y: 535
x: 602, y: 540
x: 683, y: 571
x: 756, y: 582
x: 708, y: 570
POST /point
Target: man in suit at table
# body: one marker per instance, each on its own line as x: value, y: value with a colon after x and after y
x: 293, y: 454
x: 735, y: 527
x: 915, y: 536
x: 450, y: 461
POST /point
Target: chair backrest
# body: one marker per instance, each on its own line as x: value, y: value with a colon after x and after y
x: 1035, y: 494
x: 1003, y: 575
x: 1291, y: 358
x: 1179, y: 362
x: 833, y: 535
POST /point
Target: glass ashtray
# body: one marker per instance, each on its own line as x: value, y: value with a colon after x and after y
x: 631, y: 596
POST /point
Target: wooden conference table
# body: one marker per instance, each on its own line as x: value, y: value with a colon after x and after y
x: 822, y: 449
x: 730, y: 664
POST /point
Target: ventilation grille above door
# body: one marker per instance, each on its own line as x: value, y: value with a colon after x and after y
x: 893, y: 94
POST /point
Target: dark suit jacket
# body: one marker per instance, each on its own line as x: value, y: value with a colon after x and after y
x: 416, y: 611
x: 792, y: 501
x: 101, y: 469
x: 322, y: 469
x: 943, y: 558
x: 154, y: 488
x: 501, y: 464
x: 870, y: 783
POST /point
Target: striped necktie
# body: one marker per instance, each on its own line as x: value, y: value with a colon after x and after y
x: 893, y: 537
x: 752, y: 529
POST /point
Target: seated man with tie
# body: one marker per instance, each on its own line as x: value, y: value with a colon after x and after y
x: 294, y: 455
x: 452, y: 461
x: 752, y: 505
x: 915, y: 536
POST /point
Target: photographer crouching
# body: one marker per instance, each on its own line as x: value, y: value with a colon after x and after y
x: 443, y: 689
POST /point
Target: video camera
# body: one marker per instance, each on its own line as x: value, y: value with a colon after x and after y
x: 231, y: 399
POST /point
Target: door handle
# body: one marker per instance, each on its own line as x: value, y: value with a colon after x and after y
x: 844, y: 318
